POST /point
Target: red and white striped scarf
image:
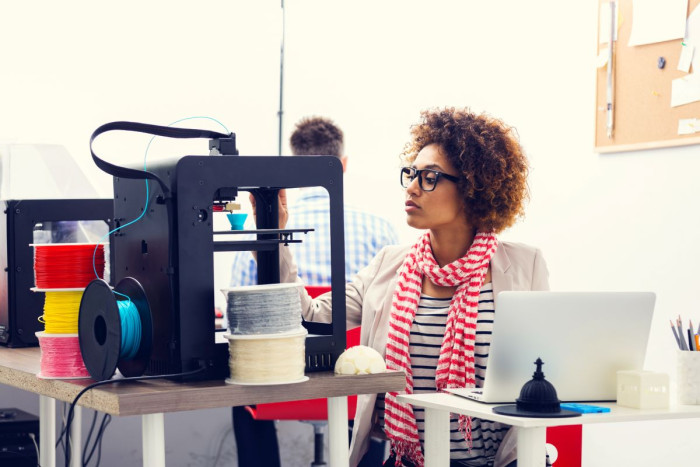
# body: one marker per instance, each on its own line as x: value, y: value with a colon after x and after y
x: 455, y: 367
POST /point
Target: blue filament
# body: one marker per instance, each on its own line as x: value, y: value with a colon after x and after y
x: 131, y: 329
x: 145, y: 207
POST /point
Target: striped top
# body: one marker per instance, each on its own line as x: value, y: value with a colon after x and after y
x: 427, y: 332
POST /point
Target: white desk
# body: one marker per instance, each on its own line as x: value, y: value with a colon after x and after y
x: 152, y: 398
x: 531, y: 431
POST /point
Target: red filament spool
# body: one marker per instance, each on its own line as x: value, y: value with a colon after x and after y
x: 67, y: 265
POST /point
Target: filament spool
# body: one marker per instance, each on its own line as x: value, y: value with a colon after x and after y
x: 263, y: 309
x: 60, y: 357
x: 61, y: 308
x: 102, y: 334
x: 67, y: 265
x: 266, y: 359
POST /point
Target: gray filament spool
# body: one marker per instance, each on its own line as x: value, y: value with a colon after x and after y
x: 263, y: 309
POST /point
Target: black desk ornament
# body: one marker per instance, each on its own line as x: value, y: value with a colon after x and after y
x: 538, y: 399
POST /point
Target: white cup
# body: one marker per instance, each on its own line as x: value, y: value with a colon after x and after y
x: 688, y: 377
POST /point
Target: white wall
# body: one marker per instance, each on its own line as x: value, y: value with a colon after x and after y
x: 607, y: 222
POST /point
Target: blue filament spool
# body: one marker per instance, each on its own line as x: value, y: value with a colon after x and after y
x: 115, y: 333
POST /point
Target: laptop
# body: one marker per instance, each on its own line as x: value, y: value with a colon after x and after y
x: 583, y: 338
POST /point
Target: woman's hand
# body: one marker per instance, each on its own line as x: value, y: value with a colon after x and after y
x: 282, y: 210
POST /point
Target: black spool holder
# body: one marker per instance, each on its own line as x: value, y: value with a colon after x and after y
x: 100, y: 330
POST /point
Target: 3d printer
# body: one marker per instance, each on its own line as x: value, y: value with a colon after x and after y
x: 170, y: 250
x: 45, y: 198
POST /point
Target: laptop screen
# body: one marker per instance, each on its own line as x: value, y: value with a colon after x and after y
x: 584, y: 338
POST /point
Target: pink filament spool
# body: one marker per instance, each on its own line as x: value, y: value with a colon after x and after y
x: 60, y: 357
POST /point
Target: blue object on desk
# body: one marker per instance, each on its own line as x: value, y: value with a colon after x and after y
x: 584, y: 408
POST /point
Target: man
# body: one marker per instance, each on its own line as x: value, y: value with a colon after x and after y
x: 365, y: 235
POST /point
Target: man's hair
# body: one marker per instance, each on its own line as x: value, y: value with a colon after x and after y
x: 317, y: 136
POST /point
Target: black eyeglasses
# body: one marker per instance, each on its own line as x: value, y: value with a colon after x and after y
x: 427, y: 179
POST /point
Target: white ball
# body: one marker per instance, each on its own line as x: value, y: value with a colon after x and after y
x: 360, y: 360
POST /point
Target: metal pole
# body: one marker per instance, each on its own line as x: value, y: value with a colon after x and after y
x: 281, y: 111
x: 338, y: 441
x: 47, y: 431
x: 153, y: 439
x: 76, y: 438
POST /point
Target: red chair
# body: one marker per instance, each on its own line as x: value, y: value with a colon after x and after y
x: 314, y: 411
x: 567, y: 440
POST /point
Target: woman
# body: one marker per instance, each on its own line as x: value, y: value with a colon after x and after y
x: 429, y: 308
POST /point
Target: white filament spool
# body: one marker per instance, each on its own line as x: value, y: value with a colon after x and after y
x: 263, y: 309
x: 265, y: 359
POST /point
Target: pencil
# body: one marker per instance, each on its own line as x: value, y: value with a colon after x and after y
x: 675, y: 334
x: 691, y: 345
x: 692, y: 335
x: 684, y: 345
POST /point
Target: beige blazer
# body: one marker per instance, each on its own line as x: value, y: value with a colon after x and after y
x: 514, y: 266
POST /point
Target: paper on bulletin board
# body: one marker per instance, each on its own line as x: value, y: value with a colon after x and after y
x: 692, y: 35
x: 686, y: 58
x: 688, y: 126
x: 685, y: 90
x: 657, y: 21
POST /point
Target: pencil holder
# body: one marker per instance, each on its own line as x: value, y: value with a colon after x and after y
x: 688, y: 377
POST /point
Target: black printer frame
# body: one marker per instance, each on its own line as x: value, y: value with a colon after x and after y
x: 172, y: 254
x: 20, y: 308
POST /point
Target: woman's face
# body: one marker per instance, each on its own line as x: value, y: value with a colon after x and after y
x: 440, y: 208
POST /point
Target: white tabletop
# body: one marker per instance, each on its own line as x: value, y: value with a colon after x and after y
x: 461, y: 405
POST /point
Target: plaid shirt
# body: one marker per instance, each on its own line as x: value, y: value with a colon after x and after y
x: 365, y: 235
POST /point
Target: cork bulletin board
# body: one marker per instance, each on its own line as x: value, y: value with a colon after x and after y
x: 642, y: 114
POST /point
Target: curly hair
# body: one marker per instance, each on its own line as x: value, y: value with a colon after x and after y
x: 317, y: 136
x: 488, y: 155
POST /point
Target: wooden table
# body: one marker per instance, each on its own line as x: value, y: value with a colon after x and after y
x: 531, y: 431
x: 152, y: 398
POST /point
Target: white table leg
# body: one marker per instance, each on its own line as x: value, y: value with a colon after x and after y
x: 338, y: 441
x: 47, y: 431
x: 76, y: 439
x: 531, y: 446
x: 153, y: 435
x: 437, y: 438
